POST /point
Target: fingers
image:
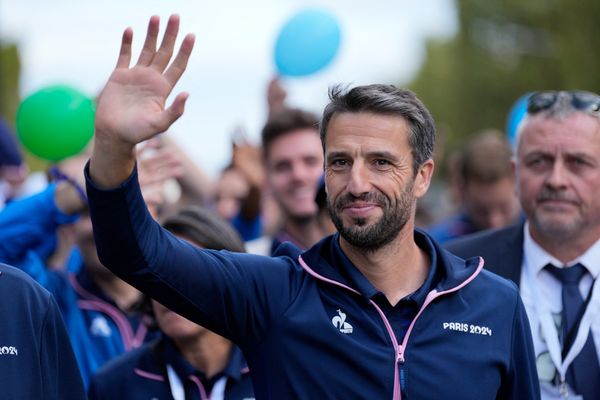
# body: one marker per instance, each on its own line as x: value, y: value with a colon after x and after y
x: 163, y: 56
x: 160, y: 59
x: 171, y: 114
x: 149, y: 49
x: 158, y: 167
x: 179, y: 64
x: 125, y: 52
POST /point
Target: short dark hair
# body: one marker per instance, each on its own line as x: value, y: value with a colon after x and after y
x: 284, y: 121
x: 386, y: 100
x: 204, y: 228
x: 485, y: 158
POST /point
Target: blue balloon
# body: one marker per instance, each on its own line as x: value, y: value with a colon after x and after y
x: 515, y: 116
x: 307, y: 43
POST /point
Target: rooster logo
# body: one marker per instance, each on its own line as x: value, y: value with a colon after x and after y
x: 339, y: 321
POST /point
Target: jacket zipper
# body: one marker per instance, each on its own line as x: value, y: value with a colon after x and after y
x: 399, y: 349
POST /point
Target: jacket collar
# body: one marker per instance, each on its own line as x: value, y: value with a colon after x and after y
x: 451, y: 271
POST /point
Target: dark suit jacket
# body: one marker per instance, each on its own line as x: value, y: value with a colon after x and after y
x: 501, y: 249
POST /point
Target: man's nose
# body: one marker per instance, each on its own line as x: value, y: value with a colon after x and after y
x: 359, y: 182
x: 557, y: 176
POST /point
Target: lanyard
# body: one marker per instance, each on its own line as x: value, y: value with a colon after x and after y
x: 178, y: 393
x: 550, y: 331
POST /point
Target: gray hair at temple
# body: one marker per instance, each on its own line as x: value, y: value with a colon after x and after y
x: 385, y: 100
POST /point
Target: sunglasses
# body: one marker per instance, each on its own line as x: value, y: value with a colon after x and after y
x: 587, y: 102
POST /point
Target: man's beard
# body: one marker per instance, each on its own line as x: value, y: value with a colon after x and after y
x: 370, y: 238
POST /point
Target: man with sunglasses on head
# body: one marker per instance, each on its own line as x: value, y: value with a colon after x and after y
x: 554, y: 256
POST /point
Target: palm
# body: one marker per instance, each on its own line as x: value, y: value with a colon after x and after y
x: 132, y: 103
x: 131, y: 107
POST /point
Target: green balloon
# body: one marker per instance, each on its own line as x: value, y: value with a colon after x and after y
x: 55, y: 122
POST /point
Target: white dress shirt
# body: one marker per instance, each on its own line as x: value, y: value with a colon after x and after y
x: 547, y: 295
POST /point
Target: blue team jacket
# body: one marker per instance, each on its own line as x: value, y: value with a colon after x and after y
x: 141, y: 374
x: 307, y: 333
x: 98, y: 329
x: 36, y: 359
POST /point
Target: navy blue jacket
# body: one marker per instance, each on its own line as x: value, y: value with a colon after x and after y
x: 36, y: 359
x: 502, y: 250
x: 142, y: 374
x: 307, y: 333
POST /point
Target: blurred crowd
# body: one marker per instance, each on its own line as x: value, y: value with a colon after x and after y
x: 267, y: 194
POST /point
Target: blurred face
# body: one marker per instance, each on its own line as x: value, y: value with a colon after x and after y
x: 371, y: 185
x: 491, y: 205
x: 174, y: 325
x: 84, y: 237
x: 294, y: 167
x: 15, y: 175
x: 232, y: 189
x: 558, y: 176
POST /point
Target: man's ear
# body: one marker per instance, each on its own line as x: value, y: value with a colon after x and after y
x: 423, y: 178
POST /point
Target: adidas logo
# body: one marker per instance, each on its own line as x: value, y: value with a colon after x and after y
x: 339, y: 321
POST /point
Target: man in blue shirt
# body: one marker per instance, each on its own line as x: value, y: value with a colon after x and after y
x: 376, y: 311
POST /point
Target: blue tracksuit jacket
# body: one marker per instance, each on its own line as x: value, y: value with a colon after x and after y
x: 36, y: 359
x: 142, y: 374
x: 307, y: 333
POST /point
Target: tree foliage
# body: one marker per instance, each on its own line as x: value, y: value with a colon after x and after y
x: 10, y: 68
x: 10, y: 72
x: 504, y: 49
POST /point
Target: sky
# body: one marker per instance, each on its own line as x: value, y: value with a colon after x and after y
x: 76, y: 43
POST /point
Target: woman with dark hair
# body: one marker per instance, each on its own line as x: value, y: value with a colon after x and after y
x: 188, y: 361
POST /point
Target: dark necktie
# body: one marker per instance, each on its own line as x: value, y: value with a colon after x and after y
x: 584, y: 373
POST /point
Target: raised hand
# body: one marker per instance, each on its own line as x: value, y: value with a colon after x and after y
x: 158, y: 162
x: 132, y: 105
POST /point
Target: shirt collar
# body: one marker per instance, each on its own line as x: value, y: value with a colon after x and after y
x: 537, y: 258
x: 174, y: 358
x: 358, y: 281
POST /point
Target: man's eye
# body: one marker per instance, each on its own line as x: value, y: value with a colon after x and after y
x: 538, y: 162
x: 380, y: 163
x: 577, y: 162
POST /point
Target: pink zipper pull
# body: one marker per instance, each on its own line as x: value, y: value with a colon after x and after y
x: 400, y: 355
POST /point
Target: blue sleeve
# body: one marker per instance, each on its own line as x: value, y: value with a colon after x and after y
x: 30, y: 224
x: 61, y: 378
x: 27, y: 236
x: 521, y: 381
x: 235, y: 295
